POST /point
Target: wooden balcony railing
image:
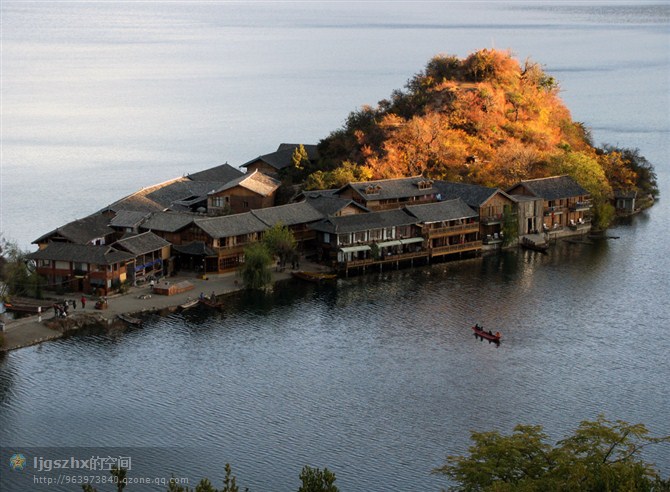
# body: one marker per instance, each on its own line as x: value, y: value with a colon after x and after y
x: 445, y: 231
x: 456, y: 248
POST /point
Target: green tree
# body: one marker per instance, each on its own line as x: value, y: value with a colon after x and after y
x: 510, y: 225
x: 600, y: 456
x: 280, y: 241
x: 255, y: 269
x: 315, y: 480
x: 16, y: 276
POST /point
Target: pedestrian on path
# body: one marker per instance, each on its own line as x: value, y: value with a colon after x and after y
x: 83, y: 302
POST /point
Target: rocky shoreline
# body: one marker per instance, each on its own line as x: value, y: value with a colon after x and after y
x: 33, y: 330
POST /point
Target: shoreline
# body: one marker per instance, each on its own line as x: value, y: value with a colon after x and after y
x: 34, y: 330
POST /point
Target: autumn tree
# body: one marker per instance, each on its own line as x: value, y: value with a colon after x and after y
x: 600, y: 455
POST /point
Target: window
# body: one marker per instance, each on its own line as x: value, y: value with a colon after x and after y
x: 245, y: 204
x: 217, y: 201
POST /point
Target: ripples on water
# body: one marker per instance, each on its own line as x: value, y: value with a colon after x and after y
x: 377, y: 378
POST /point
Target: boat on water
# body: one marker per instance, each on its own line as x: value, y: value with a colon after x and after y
x: 211, y: 302
x: 189, y: 304
x: 130, y: 319
x: 482, y: 334
x: 315, y: 277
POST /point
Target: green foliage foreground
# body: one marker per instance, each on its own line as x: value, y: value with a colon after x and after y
x: 599, y: 456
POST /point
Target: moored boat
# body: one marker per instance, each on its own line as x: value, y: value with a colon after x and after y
x: 488, y: 335
x: 211, y: 302
x: 189, y: 304
x: 130, y: 319
x: 315, y: 277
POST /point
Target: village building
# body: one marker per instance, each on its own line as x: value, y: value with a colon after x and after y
x: 81, y: 267
x: 296, y: 217
x: 493, y: 206
x: 92, y: 230
x: 566, y: 207
x: 272, y: 164
x: 326, y: 202
x: 387, y: 194
x: 128, y: 221
x: 248, y: 192
x: 624, y: 202
x: 448, y: 227
x: 171, y: 226
x: 361, y: 240
x: 151, y: 255
x: 225, y: 238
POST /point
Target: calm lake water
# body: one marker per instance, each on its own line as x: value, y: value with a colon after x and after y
x: 377, y: 378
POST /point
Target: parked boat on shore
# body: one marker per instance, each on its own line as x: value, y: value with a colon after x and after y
x: 130, y: 319
x: 488, y: 335
x: 189, y: 304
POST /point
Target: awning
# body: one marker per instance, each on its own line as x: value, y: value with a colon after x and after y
x: 389, y: 243
x: 411, y: 240
x: 353, y: 249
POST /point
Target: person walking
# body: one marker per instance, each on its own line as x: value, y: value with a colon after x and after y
x: 83, y: 302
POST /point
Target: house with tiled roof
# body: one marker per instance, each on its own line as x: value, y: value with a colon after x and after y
x: 296, y: 217
x: 491, y: 204
x: 273, y: 163
x: 248, y: 192
x: 94, y: 230
x: 566, y: 206
x: 81, y: 267
x: 151, y: 255
x: 387, y: 194
x: 218, y: 174
x: 326, y: 202
x: 168, y: 225
x: 449, y: 226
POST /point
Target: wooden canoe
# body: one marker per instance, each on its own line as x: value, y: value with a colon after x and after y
x: 488, y: 335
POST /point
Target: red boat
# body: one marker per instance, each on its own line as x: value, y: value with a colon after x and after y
x: 490, y: 336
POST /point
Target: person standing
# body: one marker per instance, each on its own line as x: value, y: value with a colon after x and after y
x: 83, y: 302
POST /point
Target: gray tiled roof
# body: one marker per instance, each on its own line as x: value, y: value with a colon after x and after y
x: 143, y: 243
x: 328, y: 204
x: 389, y: 189
x: 139, y: 201
x: 283, y: 156
x: 167, y: 221
x: 257, y: 182
x: 231, y: 225
x: 222, y: 174
x: 473, y: 195
x: 291, y: 214
x: 81, y: 253
x: 442, y: 211
x: 553, y: 188
x: 364, y: 222
x: 128, y: 218
x: 81, y: 231
x: 182, y: 191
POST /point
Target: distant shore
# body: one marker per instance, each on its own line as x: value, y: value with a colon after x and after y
x: 33, y: 330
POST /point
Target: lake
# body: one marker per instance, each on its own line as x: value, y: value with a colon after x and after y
x: 379, y: 377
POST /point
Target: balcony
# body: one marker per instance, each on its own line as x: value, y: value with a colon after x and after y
x: 555, y: 210
x: 492, y: 220
x: 456, y: 248
x: 450, y: 230
x: 384, y: 259
x: 580, y: 206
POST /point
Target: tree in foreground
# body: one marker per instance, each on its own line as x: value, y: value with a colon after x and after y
x: 315, y: 480
x: 255, y: 269
x: 280, y: 241
x: 600, y: 456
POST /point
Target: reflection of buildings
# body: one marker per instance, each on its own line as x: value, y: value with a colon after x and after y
x: 204, y: 221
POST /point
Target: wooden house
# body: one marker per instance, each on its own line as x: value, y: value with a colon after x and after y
x: 296, y: 217
x: 566, y: 206
x: 272, y: 164
x: 388, y: 194
x: 81, y: 267
x: 226, y: 238
x: 448, y: 227
x: 248, y: 192
x: 365, y: 239
x: 151, y: 256
x: 491, y: 204
x: 624, y: 201
x: 91, y: 230
x: 329, y: 204
x: 171, y: 226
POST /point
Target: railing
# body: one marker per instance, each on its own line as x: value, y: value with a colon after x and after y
x: 557, y: 209
x: 455, y: 248
x: 442, y: 231
x: 579, y: 206
x: 384, y: 259
x: 492, y: 219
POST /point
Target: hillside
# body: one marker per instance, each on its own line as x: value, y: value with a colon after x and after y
x: 486, y: 119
